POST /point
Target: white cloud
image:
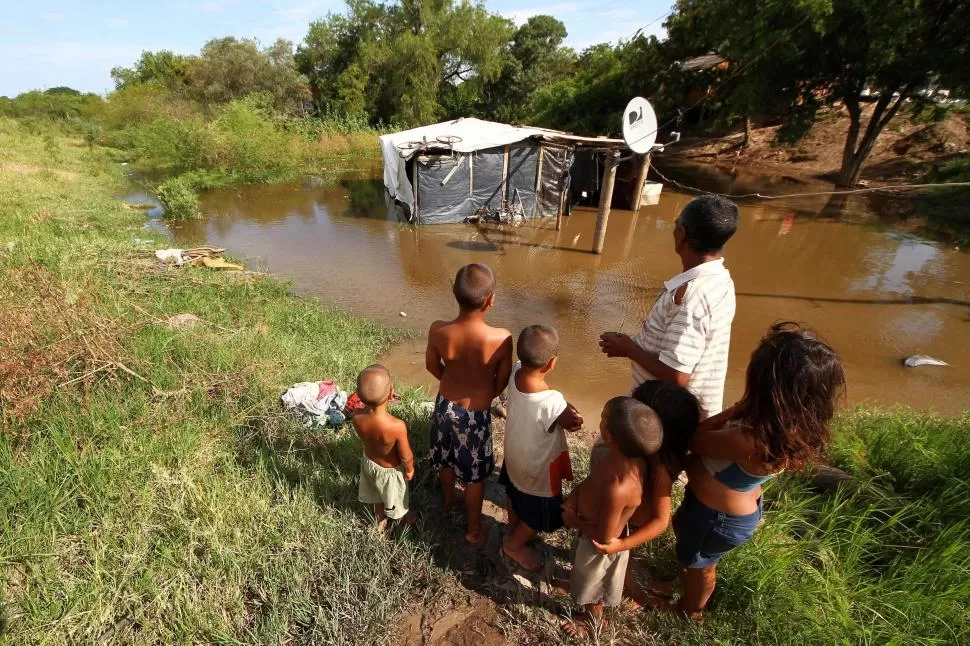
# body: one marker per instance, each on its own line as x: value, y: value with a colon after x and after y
x: 521, y: 16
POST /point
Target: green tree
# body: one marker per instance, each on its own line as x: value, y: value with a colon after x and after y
x: 535, y: 58
x: 400, y: 62
x: 164, y: 68
x: 809, y: 52
x: 230, y: 68
x: 605, y: 78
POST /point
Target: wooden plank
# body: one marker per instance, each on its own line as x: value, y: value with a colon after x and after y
x: 606, y: 198
x: 639, y: 184
x: 539, y: 184
x: 505, y: 173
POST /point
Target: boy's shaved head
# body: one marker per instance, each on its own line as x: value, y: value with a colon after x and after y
x: 537, y: 345
x: 634, y: 426
x: 474, y: 283
x: 374, y: 385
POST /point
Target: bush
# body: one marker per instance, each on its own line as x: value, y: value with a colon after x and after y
x: 179, y: 199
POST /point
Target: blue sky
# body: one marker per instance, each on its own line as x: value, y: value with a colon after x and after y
x: 49, y: 43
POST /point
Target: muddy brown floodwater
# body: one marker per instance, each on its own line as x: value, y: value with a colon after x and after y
x: 876, y: 294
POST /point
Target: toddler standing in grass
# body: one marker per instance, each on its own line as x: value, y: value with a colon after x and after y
x: 387, y: 463
x: 680, y: 413
x: 536, y: 454
x: 604, y: 502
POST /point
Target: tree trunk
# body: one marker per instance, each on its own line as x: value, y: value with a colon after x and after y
x: 853, y: 156
x: 747, y: 132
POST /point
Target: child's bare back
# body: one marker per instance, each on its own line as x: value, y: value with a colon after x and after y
x: 381, y: 434
x: 474, y: 357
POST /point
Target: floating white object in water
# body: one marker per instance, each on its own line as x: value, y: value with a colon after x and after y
x: 576, y: 239
x: 403, y: 314
x: 918, y: 360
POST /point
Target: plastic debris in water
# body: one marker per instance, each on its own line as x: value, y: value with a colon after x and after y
x: 786, y: 224
x: 403, y: 314
x: 918, y: 360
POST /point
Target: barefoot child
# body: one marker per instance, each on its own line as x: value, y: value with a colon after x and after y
x: 604, y: 502
x: 536, y: 454
x: 679, y: 414
x: 387, y: 461
x: 473, y: 361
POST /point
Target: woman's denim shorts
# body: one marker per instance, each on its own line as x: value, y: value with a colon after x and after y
x: 704, y: 535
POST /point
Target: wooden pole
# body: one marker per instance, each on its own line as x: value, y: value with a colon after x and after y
x: 641, y: 181
x: 606, y: 199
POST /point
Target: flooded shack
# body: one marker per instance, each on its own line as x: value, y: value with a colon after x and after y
x: 470, y: 169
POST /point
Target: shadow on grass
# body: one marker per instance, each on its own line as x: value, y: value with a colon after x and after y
x: 326, y: 463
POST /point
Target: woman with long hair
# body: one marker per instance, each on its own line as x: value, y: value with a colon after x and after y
x: 793, y: 383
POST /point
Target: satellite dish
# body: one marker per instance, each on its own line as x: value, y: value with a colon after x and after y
x: 639, y: 125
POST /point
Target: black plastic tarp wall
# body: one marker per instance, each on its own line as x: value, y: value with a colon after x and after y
x: 452, y: 187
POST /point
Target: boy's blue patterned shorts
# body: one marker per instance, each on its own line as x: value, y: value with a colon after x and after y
x: 462, y: 439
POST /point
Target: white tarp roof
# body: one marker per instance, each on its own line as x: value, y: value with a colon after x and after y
x: 475, y: 134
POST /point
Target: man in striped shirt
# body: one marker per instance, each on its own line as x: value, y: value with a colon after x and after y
x: 686, y: 336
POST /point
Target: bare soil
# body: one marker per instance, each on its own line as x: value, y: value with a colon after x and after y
x: 902, y: 153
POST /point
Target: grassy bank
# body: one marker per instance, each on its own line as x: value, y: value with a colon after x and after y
x: 151, y: 492
x: 141, y: 492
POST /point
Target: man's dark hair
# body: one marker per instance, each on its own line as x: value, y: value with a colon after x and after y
x: 634, y: 426
x: 474, y: 283
x: 679, y: 412
x: 537, y: 345
x: 709, y: 222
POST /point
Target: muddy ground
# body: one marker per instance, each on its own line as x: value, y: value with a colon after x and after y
x: 901, y: 154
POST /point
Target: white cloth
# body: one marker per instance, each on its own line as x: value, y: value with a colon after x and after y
x: 695, y: 336
x: 534, y: 457
x: 472, y: 134
x: 314, y: 397
x: 168, y: 256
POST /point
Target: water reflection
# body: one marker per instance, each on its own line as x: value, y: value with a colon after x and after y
x: 876, y: 295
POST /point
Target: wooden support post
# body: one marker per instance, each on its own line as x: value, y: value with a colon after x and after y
x: 641, y: 181
x: 606, y: 199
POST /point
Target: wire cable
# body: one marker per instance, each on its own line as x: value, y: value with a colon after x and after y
x: 868, y: 189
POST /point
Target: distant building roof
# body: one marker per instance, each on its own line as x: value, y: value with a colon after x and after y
x: 701, y: 63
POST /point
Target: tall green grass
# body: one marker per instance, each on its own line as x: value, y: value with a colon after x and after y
x: 885, y: 560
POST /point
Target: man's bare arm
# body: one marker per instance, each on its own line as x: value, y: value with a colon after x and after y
x: 621, y: 345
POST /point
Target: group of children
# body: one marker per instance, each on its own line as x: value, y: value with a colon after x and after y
x: 646, y: 441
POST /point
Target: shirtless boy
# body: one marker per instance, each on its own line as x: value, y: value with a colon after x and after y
x: 604, y: 502
x: 387, y: 462
x: 473, y: 362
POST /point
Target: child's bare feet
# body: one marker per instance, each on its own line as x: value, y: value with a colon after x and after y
x: 581, y: 628
x: 381, y: 526
x: 527, y: 558
x: 474, y: 537
x: 662, y: 589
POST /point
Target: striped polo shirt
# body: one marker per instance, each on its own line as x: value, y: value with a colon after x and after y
x: 693, y: 337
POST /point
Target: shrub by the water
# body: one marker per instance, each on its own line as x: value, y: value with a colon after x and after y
x: 179, y: 199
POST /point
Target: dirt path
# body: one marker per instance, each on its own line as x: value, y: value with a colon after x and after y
x: 495, y: 602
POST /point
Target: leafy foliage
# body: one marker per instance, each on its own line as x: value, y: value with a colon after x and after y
x: 398, y: 63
